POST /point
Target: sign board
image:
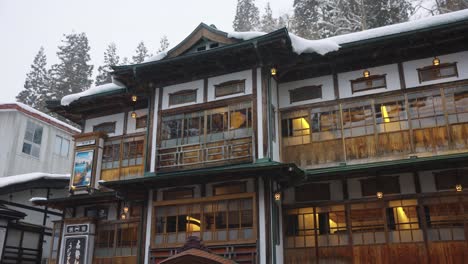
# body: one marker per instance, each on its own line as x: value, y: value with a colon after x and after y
x: 83, y: 168
x: 75, y: 250
x: 85, y: 143
x: 74, y: 229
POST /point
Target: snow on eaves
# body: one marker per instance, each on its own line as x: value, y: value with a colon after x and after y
x: 28, y: 108
x: 324, y: 46
x: 34, y: 199
x: 108, y: 87
x: 156, y: 57
x: 23, y: 178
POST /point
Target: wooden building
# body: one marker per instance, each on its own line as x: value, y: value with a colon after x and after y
x: 274, y: 149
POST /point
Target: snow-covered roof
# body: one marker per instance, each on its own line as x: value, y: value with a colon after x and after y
x: 108, y: 87
x: 324, y: 46
x: 36, y: 113
x: 34, y: 199
x: 23, y: 178
x: 156, y: 57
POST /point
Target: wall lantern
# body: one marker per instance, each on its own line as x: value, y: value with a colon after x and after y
x: 366, y: 73
x: 459, y: 188
x: 123, y: 216
x: 273, y: 71
x: 134, y: 98
x: 134, y: 115
x: 277, y: 196
x: 125, y: 209
x: 436, y: 61
x: 379, y: 195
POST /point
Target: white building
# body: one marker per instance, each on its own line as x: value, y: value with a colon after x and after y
x: 35, y: 149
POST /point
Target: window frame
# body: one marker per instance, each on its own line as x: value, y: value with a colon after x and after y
x: 316, y: 89
x: 184, y: 93
x: 242, y: 184
x: 217, y: 87
x: 381, y: 183
x: 370, y: 78
x: 141, y: 122
x: 104, y: 127
x: 166, y: 192
x: 62, y: 139
x: 35, y: 129
x: 438, y: 68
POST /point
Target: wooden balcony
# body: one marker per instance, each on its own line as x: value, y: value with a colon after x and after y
x: 227, y: 151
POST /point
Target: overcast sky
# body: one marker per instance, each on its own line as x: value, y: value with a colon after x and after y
x: 27, y: 25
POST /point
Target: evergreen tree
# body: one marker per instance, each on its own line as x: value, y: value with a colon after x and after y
x: 306, y: 17
x: 284, y: 21
x: 247, y: 16
x: 72, y: 74
x: 141, y: 53
x: 110, y: 59
x: 386, y: 12
x: 36, y: 85
x: 268, y: 22
x: 125, y: 61
x: 164, y: 44
x: 445, y: 6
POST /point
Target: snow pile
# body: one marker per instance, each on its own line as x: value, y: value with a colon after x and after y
x: 321, y: 46
x: 402, y: 27
x: 21, y: 178
x: 245, y: 35
x: 324, y: 46
x: 34, y: 199
x: 156, y: 57
x: 108, y: 87
x: 27, y: 108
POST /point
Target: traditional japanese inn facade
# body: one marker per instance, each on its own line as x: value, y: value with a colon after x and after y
x: 268, y: 148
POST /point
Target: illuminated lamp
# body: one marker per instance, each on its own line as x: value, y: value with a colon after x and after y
x: 134, y: 98
x: 436, y: 61
x: 123, y: 216
x: 366, y: 73
x: 125, y: 209
x: 277, y: 196
x: 273, y: 71
x: 459, y: 188
x: 134, y: 115
x: 379, y: 195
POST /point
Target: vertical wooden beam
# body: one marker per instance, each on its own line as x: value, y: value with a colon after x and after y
x: 417, y: 182
x: 336, y: 87
x: 254, y: 112
x: 348, y: 229
x: 401, y: 74
x: 423, y: 223
x: 205, y: 90
x: 344, y: 188
x: 317, y: 253
x: 265, y: 77
x: 149, y: 130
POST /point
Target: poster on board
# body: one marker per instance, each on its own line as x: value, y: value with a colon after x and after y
x: 75, y: 250
x: 83, y: 168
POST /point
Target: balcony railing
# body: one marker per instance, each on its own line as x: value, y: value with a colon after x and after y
x: 194, y: 155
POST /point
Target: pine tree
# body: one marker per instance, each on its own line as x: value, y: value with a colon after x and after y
x: 73, y: 73
x: 306, y: 17
x: 445, y: 6
x: 164, y: 44
x: 268, y: 22
x: 141, y: 53
x: 247, y: 16
x: 125, y: 61
x: 387, y: 12
x: 36, y: 85
x: 110, y: 59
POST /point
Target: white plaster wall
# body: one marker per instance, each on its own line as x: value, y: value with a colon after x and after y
x: 261, y: 222
x: 427, y: 181
x: 131, y: 123
x: 242, y: 75
x: 406, y: 183
x: 118, y: 118
x: 354, y: 188
x: 336, y: 190
x: 274, y: 101
x: 411, y: 73
x: 327, y: 90
x: 259, y: 114
x: 13, y: 161
x: 198, y: 84
x: 155, y: 129
x: 392, y: 78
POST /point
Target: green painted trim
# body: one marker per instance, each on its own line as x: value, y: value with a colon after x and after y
x: 409, y: 161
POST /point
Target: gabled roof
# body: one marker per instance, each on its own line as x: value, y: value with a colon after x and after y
x: 29, y: 111
x: 202, y: 31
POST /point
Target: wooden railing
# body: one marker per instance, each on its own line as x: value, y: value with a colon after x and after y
x: 196, y: 155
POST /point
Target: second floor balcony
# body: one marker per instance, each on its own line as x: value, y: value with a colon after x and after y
x: 206, y: 138
x: 424, y: 122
